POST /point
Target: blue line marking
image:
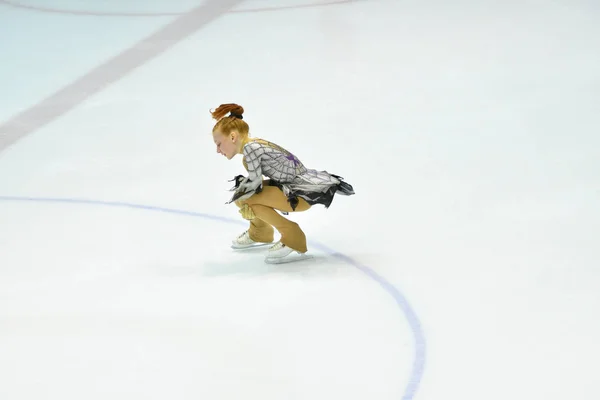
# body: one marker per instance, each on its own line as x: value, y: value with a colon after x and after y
x: 418, y: 366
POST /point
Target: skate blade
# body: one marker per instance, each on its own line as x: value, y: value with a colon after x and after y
x: 252, y: 246
x: 288, y: 259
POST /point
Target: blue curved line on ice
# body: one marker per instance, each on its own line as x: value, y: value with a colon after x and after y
x: 411, y: 316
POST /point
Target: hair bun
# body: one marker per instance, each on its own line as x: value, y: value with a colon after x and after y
x: 234, y: 110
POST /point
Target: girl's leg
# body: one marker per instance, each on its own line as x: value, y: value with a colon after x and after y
x: 264, y: 205
x: 260, y: 231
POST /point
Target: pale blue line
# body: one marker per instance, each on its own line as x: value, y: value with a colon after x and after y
x: 412, y: 318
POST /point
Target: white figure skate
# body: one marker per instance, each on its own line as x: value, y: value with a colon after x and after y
x: 243, y: 241
x: 280, y: 253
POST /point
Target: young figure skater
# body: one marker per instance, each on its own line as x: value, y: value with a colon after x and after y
x: 291, y: 187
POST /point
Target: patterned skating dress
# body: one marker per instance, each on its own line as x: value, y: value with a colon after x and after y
x: 285, y: 171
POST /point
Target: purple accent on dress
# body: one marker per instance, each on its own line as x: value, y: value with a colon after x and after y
x: 293, y: 159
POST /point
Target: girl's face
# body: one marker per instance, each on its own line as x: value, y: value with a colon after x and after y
x: 227, y: 145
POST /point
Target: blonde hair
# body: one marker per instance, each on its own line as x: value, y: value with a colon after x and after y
x: 233, y: 121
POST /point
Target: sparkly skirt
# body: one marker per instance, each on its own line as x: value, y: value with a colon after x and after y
x: 314, y: 193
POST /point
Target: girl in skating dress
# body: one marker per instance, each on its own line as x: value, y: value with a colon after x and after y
x: 290, y: 187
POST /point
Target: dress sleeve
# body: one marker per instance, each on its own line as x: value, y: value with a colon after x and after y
x: 253, y: 153
x: 252, y: 184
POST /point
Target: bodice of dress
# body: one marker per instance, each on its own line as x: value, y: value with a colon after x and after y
x: 265, y: 158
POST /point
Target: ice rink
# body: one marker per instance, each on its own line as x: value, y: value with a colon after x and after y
x: 467, y: 265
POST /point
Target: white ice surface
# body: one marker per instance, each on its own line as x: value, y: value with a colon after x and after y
x: 468, y: 129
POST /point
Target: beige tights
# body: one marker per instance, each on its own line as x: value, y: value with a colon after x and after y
x: 264, y: 206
